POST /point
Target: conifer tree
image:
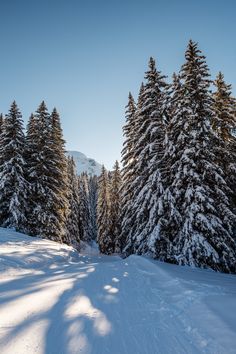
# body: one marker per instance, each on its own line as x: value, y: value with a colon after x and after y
x: 85, y: 229
x: 58, y: 179
x: 224, y: 123
x: 47, y: 175
x: 31, y: 153
x: 128, y: 170
x: 103, y: 214
x: 160, y: 221
x: 93, y: 198
x: 148, y: 148
x: 198, y: 221
x: 1, y: 131
x: 72, y: 236
x: 13, y: 185
x: 115, y: 208
x: 39, y: 145
x: 1, y: 123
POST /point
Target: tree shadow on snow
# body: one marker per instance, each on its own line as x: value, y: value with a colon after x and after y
x: 75, y: 305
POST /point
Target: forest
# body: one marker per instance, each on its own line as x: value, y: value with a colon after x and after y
x: 174, y: 196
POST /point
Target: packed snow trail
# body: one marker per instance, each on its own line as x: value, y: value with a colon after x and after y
x: 53, y: 300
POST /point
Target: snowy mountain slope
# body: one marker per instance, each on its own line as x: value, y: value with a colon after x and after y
x: 85, y: 164
x: 54, y: 301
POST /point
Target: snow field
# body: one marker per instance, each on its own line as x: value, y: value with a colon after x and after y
x: 54, y: 300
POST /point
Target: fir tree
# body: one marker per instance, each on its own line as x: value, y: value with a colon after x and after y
x: 1, y: 131
x: 31, y: 153
x: 224, y: 123
x: 13, y: 185
x: 1, y: 123
x: 72, y: 236
x: 147, y: 151
x: 93, y: 198
x: 160, y: 221
x: 224, y: 105
x: 85, y: 229
x: 58, y: 179
x: 197, y: 222
x: 128, y: 170
x: 39, y: 146
x: 103, y: 214
x: 47, y: 175
x: 115, y: 208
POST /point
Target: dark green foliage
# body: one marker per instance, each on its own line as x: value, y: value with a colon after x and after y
x: 13, y: 185
x: 115, y: 208
x: 179, y: 169
x: 47, y: 171
x: 72, y: 235
x: 104, y: 239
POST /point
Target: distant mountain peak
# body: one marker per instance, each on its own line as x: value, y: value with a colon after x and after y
x: 85, y: 164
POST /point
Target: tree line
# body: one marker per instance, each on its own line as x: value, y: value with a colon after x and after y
x: 40, y: 193
x: 177, y: 194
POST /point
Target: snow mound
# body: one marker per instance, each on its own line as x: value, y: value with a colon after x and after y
x: 19, y: 252
x: 55, y: 300
x: 85, y: 164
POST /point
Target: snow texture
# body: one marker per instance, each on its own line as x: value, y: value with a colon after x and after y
x: 85, y: 164
x: 54, y: 300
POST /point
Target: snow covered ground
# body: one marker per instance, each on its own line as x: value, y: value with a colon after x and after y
x: 55, y: 301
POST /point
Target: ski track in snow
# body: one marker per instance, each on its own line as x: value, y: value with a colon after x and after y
x: 54, y: 301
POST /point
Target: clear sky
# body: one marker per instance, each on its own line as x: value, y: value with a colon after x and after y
x: 84, y: 56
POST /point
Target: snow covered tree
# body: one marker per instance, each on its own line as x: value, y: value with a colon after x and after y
x: 58, y: 179
x: 198, y: 221
x: 115, y: 208
x: 103, y: 214
x: 47, y: 175
x: 85, y: 229
x: 128, y: 170
x: 150, y: 132
x: 31, y: 153
x: 13, y: 184
x: 1, y: 130
x: 163, y: 214
x: 1, y: 123
x: 224, y: 106
x: 72, y: 236
x: 224, y: 123
x: 93, y: 198
x: 38, y: 133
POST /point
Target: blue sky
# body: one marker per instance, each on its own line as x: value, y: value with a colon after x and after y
x: 85, y: 56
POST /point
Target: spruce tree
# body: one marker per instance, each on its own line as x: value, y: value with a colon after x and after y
x: 93, y: 198
x: 163, y: 213
x: 47, y: 174
x: 197, y: 223
x: 223, y: 120
x: 39, y: 146
x: 1, y: 123
x: 85, y: 228
x: 224, y: 123
x: 115, y: 208
x: 58, y: 179
x: 103, y: 214
x: 128, y: 170
x: 31, y: 153
x: 150, y: 132
x: 1, y: 131
x: 13, y: 185
x: 72, y: 236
